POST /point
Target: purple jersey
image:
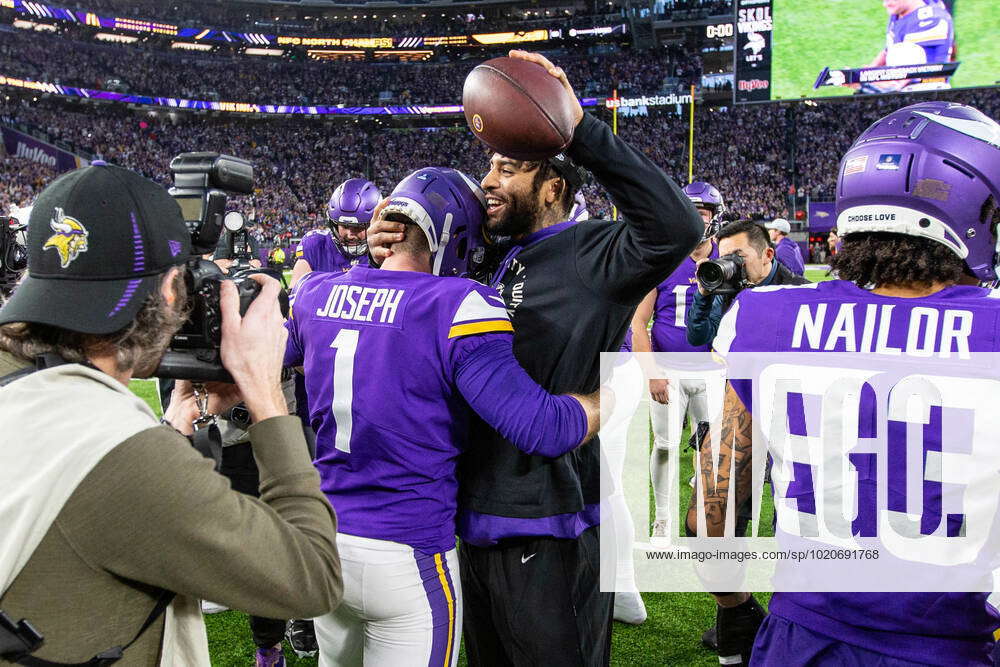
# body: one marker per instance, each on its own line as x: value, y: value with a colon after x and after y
x: 673, y: 298
x: 627, y: 343
x: 788, y: 253
x: 388, y: 433
x: 322, y: 253
x: 934, y: 628
x: 929, y: 27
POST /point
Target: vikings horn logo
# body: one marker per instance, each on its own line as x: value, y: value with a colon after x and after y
x: 70, y: 238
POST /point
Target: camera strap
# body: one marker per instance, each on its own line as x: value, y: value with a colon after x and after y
x: 42, y: 361
x: 207, y: 438
x: 19, y: 640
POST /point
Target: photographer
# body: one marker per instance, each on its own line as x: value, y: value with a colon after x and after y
x: 744, y: 249
x: 13, y: 258
x: 114, y: 524
x: 237, y: 246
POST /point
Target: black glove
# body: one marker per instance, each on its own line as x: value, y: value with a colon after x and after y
x: 737, y: 628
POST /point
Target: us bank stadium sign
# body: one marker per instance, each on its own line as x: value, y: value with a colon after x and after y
x: 754, y: 32
x: 639, y: 106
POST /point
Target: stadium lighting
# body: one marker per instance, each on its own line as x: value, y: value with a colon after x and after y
x: 31, y: 25
x: 191, y: 46
x: 263, y: 52
x: 118, y: 39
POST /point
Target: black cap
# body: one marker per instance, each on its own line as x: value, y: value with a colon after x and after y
x: 99, y: 238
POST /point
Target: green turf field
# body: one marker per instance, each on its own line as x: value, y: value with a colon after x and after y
x: 812, y: 34
x: 670, y: 636
x: 817, y: 275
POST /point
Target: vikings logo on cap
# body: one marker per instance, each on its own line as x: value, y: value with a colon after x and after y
x: 70, y: 238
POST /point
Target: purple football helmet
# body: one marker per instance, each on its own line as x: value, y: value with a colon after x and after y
x: 449, y: 207
x: 706, y: 195
x: 579, y: 212
x: 932, y: 170
x: 352, y: 205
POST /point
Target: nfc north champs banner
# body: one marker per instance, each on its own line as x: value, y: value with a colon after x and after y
x: 754, y: 32
x: 19, y: 144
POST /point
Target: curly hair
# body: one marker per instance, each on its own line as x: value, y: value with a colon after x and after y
x: 883, y: 258
x: 137, y: 346
x: 547, y: 171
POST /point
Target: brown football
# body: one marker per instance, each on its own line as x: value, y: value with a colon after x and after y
x: 518, y: 109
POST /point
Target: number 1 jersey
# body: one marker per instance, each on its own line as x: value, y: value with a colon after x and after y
x: 380, y: 350
x: 673, y: 298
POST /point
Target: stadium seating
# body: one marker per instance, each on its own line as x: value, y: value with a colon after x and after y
x: 742, y: 150
x: 150, y: 71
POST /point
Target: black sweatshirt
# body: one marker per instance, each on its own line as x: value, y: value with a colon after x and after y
x: 571, y: 291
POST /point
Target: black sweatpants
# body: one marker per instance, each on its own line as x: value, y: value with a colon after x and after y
x: 240, y: 468
x: 536, y: 601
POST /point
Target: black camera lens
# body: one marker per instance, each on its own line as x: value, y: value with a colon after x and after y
x: 715, y: 273
x: 722, y: 274
x: 711, y: 275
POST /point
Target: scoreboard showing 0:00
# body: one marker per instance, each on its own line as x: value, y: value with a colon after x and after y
x: 787, y: 49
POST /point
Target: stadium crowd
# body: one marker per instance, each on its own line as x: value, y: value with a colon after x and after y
x: 827, y: 130
x: 765, y: 159
x: 22, y: 179
x: 127, y: 68
x: 743, y: 150
x: 313, y: 20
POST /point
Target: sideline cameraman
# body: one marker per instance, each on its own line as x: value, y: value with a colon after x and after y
x: 107, y: 514
x: 240, y: 246
x: 13, y: 256
x: 759, y: 268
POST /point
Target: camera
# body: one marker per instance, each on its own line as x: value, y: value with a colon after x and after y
x: 725, y: 275
x: 202, y: 185
x: 239, y: 247
x: 13, y: 255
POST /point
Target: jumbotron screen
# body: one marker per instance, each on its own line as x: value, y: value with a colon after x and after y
x: 790, y: 49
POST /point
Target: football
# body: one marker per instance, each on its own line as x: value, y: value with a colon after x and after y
x: 518, y: 109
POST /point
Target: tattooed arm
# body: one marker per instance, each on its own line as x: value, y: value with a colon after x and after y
x: 736, y: 434
x: 734, y: 451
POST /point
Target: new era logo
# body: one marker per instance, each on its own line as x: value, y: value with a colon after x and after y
x: 175, y: 248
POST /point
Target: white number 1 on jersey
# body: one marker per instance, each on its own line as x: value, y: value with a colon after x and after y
x: 680, y: 307
x: 346, y: 344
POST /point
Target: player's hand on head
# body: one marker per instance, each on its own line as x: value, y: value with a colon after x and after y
x: 253, y: 347
x: 659, y: 390
x: 556, y: 72
x: 383, y: 233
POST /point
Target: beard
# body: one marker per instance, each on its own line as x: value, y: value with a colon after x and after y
x: 518, y: 218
